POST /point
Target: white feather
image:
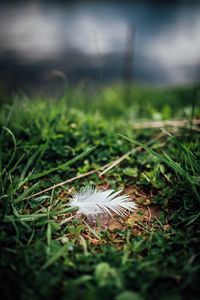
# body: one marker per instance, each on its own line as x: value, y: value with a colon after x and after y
x: 92, y: 201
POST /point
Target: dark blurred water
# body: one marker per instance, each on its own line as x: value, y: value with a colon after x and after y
x: 42, y: 42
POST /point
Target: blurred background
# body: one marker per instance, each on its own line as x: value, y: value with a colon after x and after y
x: 45, y: 45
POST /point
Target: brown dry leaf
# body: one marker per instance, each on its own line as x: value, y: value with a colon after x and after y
x: 114, y: 224
x: 166, y: 227
x: 94, y: 241
x: 136, y: 232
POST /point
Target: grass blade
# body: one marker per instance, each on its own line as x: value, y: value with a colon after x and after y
x: 55, y: 257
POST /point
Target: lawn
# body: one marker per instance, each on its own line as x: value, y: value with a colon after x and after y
x: 52, y: 148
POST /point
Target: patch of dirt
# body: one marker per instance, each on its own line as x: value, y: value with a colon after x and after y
x: 142, y: 216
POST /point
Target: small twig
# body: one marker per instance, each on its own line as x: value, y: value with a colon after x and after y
x: 62, y: 183
x: 67, y: 181
x: 117, y: 161
x: 107, y: 167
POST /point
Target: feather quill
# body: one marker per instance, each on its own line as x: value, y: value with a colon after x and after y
x: 92, y: 201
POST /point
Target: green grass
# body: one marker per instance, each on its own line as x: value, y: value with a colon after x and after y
x: 46, y: 254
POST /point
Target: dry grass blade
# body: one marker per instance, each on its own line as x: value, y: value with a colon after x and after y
x: 117, y: 161
x: 170, y: 123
